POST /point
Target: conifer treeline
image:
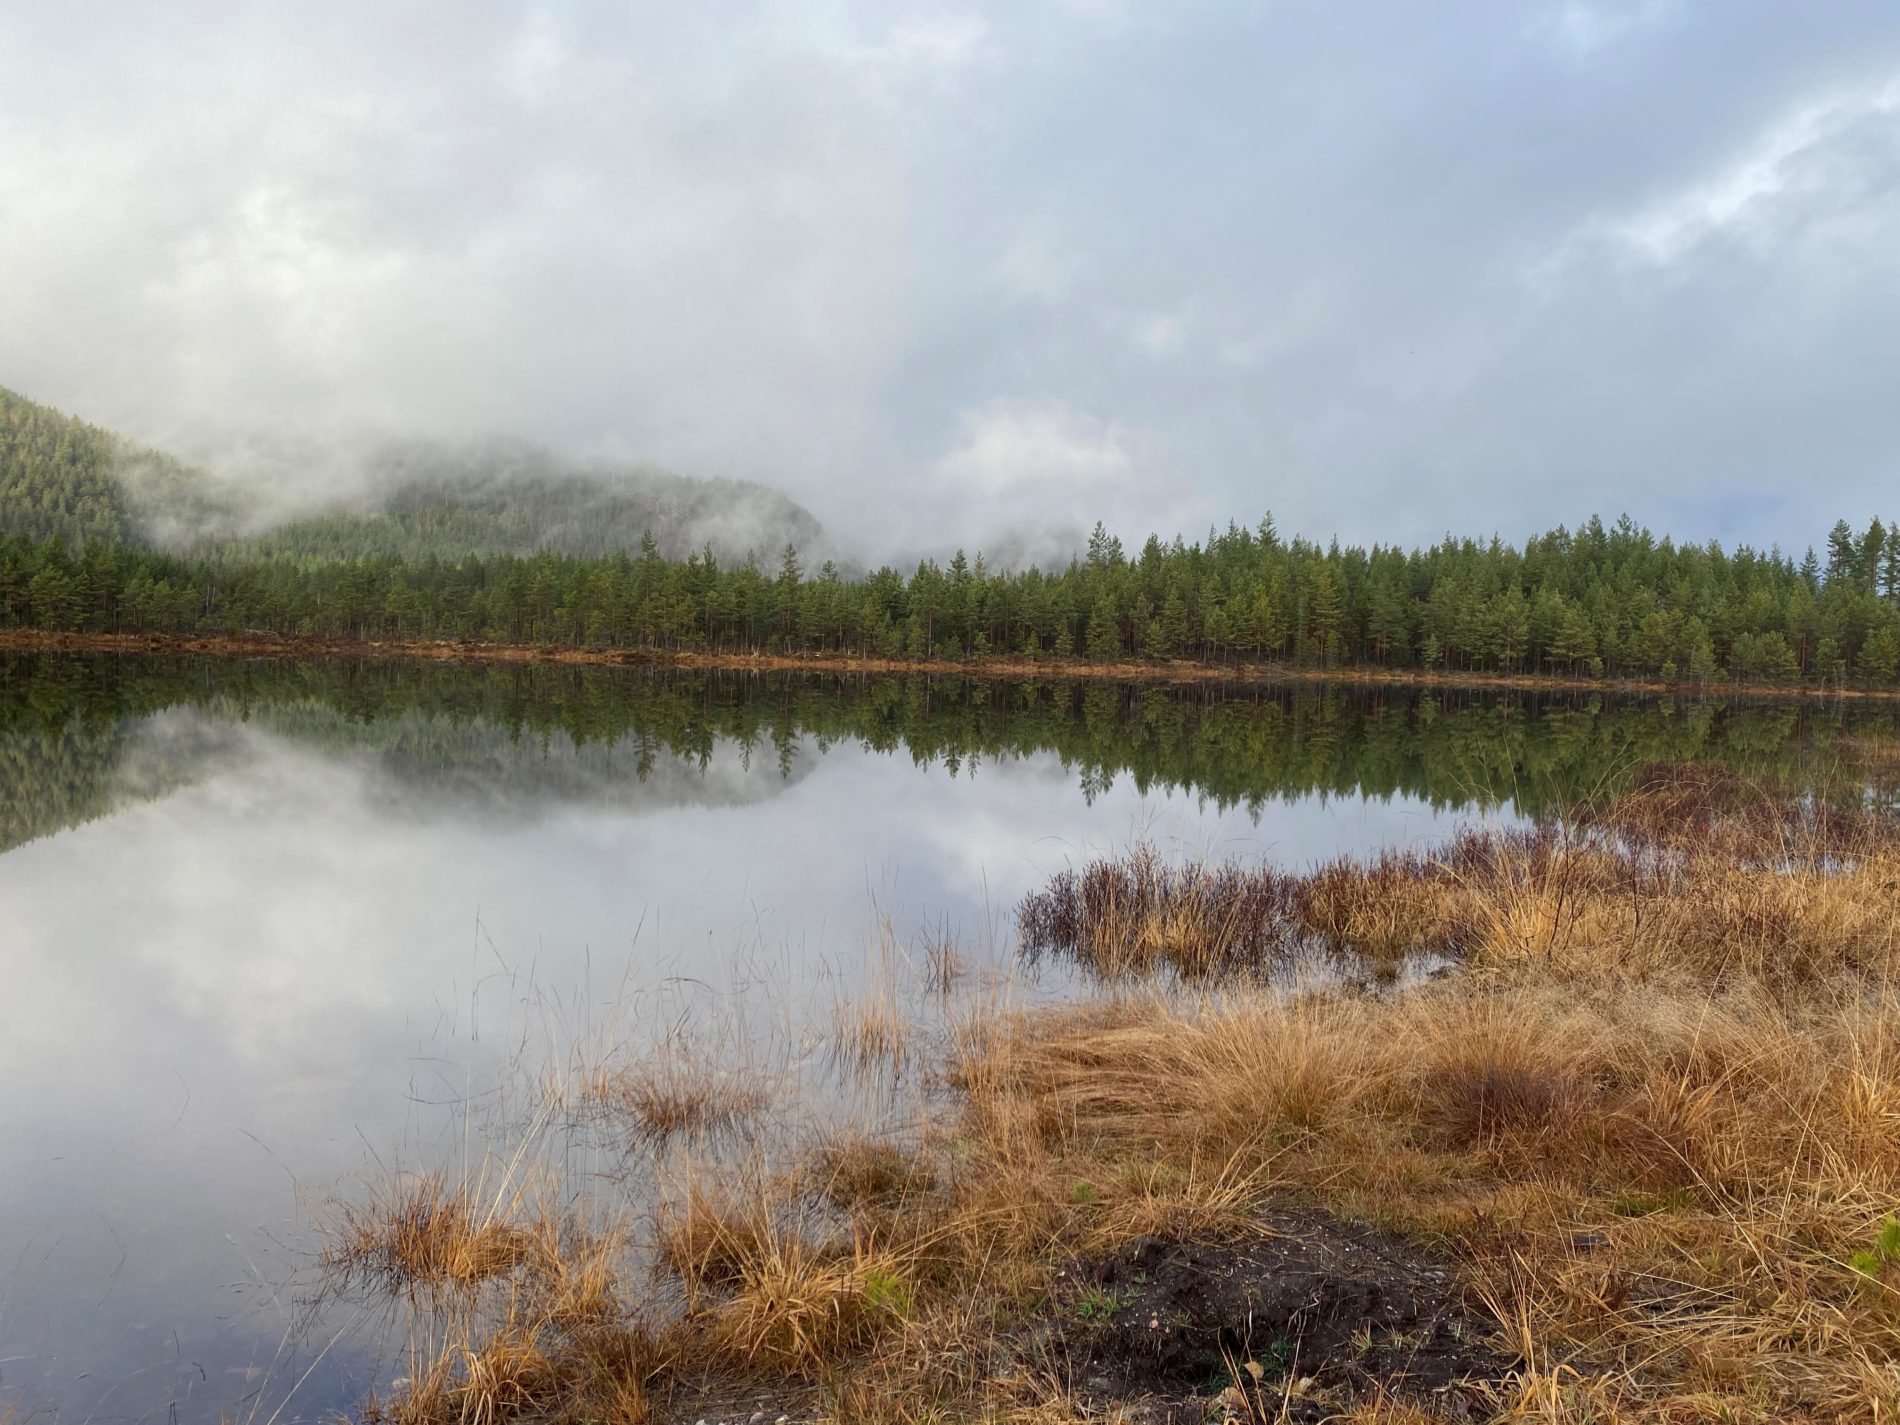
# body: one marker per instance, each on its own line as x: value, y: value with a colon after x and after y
x: 1603, y: 600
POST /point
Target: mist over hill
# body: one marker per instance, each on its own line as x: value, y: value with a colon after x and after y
x: 63, y: 478
x: 511, y: 497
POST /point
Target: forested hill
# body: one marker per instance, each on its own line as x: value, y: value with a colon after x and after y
x: 61, y: 478
x: 65, y: 479
x: 511, y: 498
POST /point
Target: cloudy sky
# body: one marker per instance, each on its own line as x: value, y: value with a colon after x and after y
x: 985, y: 272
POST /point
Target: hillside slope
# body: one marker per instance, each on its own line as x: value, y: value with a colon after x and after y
x: 63, y: 478
x: 57, y: 476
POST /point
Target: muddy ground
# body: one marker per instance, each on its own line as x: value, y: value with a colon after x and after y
x: 1290, y: 1324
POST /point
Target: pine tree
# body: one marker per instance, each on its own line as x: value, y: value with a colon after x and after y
x: 1879, y: 660
x: 1325, y: 610
x: 1104, y: 638
x: 1173, y: 623
x: 1811, y: 569
x: 1842, y: 549
x: 1872, y: 551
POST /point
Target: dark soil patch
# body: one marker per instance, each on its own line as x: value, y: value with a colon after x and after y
x: 1290, y: 1325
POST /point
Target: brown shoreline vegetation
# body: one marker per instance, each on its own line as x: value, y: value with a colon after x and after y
x: 271, y: 645
x: 1636, y: 1158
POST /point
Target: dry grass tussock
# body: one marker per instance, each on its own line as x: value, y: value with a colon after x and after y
x: 674, y: 1094
x: 1660, y: 1142
x: 854, y: 1169
x: 769, y: 1291
x: 516, y: 1309
x: 424, y: 1236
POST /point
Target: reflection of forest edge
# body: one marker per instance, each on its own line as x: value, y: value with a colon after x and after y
x: 67, y: 723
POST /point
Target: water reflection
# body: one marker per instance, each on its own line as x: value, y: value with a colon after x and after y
x: 259, y: 917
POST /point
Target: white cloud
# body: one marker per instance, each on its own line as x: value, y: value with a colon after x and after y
x: 1008, y: 444
x: 1585, y: 30
x: 1827, y: 156
x: 948, y: 42
x: 1042, y: 263
x: 1160, y: 334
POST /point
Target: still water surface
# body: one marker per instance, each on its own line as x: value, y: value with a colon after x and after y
x: 262, y: 922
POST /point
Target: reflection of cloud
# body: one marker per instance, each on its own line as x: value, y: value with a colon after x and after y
x: 54, y: 779
x: 431, y: 767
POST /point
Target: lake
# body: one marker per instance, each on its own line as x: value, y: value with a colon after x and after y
x: 266, y: 925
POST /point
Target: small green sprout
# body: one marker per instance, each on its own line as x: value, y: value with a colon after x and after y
x: 1096, y: 1305
x: 1871, y: 1264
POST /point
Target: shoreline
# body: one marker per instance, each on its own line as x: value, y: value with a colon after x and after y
x: 308, y: 647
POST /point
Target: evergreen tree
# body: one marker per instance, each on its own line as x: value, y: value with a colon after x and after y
x: 1104, y: 638
x: 1842, y: 552
x: 1879, y: 661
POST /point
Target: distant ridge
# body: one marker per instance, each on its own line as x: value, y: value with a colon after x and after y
x: 63, y: 478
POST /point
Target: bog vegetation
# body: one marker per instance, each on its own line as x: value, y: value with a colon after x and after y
x: 1633, y: 1158
x: 1600, y: 600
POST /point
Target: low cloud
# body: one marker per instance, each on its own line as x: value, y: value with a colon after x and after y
x: 1012, y: 445
x: 954, y: 273
x: 1831, y: 168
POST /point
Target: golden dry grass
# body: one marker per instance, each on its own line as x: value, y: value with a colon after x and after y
x: 517, y: 1310
x: 674, y: 1094
x: 426, y: 1236
x: 856, y: 1169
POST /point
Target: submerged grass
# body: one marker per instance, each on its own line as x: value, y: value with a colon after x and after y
x: 1653, y: 1124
